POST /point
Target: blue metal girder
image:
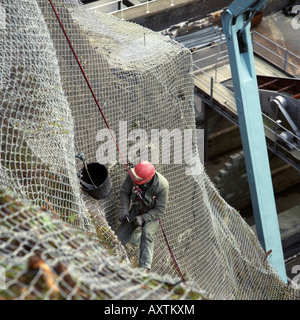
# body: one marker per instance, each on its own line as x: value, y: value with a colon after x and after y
x: 236, y: 27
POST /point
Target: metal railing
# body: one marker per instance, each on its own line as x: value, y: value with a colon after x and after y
x: 276, y: 54
x: 272, y: 131
x: 207, y: 71
x: 267, y: 49
x: 112, y: 7
x: 214, y: 62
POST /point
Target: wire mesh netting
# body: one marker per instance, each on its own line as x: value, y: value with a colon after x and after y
x: 56, y: 240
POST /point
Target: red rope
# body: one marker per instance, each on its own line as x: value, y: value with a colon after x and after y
x: 171, y: 253
x: 103, y: 116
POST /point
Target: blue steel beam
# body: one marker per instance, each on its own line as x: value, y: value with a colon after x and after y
x: 236, y: 27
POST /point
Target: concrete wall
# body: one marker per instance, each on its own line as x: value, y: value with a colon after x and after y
x: 195, y: 10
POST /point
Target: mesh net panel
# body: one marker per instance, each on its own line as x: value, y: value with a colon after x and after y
x: 56, y: 240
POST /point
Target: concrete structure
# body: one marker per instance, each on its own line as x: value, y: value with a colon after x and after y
x: 165, y: 13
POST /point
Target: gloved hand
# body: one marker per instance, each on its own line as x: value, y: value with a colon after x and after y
x: 123, y: 216
x: 138, y: 221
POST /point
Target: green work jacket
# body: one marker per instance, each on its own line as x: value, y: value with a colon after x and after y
x: 155, y: 198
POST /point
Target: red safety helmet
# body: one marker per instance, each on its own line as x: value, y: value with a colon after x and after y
x: 143, y: 172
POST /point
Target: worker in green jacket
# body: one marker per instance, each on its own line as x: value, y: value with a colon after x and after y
x: 140, y: 212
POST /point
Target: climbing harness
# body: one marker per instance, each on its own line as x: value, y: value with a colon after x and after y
x: 138, y: 191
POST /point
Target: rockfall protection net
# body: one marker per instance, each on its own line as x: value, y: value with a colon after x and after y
x: 56, y: 241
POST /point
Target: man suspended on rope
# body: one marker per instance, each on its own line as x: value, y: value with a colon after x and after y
x: 141, y: 206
